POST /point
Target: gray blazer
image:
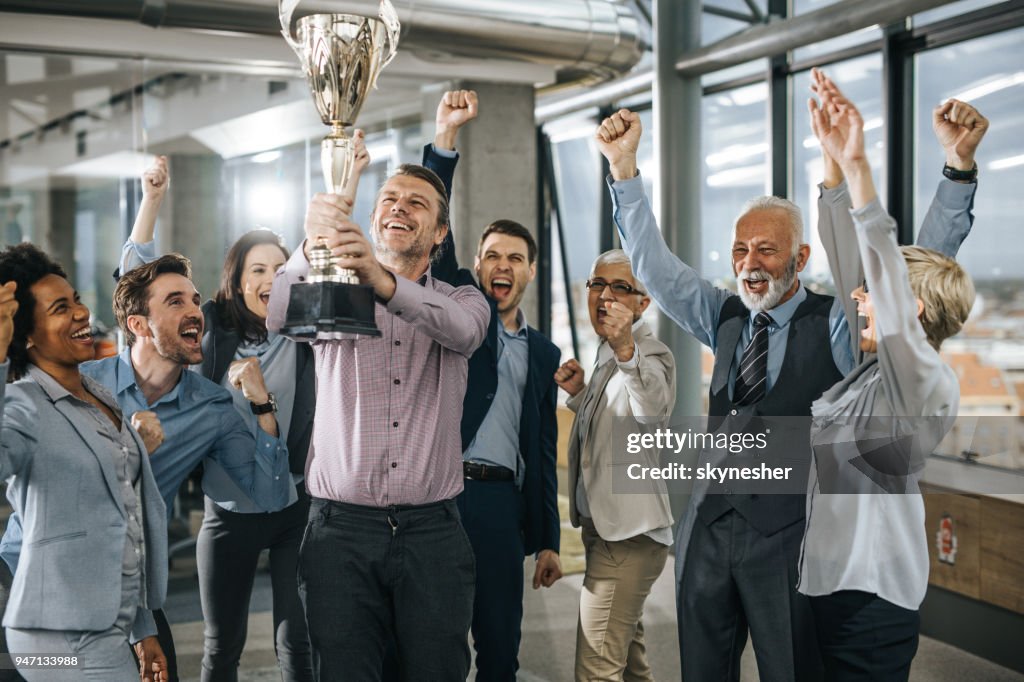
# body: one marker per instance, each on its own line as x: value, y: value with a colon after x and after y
x: 64, y: 485
x: 614, y: 396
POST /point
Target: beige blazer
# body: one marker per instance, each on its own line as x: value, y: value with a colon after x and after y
x: 644, y: 394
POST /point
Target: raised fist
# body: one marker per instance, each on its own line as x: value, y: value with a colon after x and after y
x: 618, y: 138
x: 156, y: 179
x: 959, y: 128
x: 149, y: 428
x: 246, y: 376
x: 456, y: 109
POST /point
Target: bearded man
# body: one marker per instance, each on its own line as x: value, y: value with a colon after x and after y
x: 777, y: 347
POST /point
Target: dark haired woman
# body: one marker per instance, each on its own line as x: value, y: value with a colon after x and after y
x: 234, y: 533
x: 95, y: 534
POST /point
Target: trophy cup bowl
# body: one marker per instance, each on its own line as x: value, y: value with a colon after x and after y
x: 341, y: 56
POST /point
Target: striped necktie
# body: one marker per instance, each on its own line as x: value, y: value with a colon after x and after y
x: 751, y: 380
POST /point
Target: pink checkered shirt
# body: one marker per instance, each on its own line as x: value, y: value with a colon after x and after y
x: 386, y: 430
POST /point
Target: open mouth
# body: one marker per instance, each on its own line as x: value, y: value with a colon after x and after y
x: 191, y: 333
x: 83, y: 336
x: 501, y: 287
x: 756, y: 286
x: 868, y: 331
x: 265, y: 297
x: 399, y: 226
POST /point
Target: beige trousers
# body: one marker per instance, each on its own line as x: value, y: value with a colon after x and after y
x: 609, y: 633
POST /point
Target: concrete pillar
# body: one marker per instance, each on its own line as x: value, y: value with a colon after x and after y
x: 677, y: 114
x: 497, y: 173
x: 193, y: 219
x: 58, y: 239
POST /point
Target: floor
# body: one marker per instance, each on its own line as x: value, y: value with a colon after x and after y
x: 549, y: 634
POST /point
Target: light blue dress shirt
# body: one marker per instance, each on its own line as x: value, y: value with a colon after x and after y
x: 497, y: 440
x: 199, y: 420
x: 695, y: 303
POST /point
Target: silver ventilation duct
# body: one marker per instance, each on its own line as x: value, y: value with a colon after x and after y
x: 582, y: 38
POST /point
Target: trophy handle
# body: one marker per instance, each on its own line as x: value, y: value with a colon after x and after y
x: 389, y: 16
x: 285, y: 10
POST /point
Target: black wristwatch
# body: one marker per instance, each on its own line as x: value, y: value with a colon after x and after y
x: 961, y: 175
x: 265, y: 408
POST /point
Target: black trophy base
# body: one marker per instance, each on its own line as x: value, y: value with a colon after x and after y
x: 330, y: 307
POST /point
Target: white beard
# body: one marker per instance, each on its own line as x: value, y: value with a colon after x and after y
x: 777, y: 287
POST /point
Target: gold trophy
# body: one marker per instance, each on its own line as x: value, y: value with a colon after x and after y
x: 342, y: 55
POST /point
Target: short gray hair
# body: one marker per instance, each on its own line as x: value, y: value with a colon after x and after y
x: 616, y: 257
x: 771, y: 203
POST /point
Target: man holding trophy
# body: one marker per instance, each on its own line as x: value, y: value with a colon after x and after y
x: 384, y: 555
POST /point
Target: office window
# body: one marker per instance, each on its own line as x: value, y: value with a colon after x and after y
x: 861, y: 81
x: 736, y: 166
x: 988, y: 354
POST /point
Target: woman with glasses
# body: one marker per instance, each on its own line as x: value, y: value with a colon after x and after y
x: 95, y: 533
x: 626, y: 537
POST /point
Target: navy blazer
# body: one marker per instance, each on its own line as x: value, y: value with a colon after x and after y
x: 538, y: 425
x: 219, y: 346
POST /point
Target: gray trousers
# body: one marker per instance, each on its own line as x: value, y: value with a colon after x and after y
x: 103, y: 656
x: 736, y: 579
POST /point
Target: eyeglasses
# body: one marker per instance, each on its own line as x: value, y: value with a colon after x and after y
x: 618, y: 288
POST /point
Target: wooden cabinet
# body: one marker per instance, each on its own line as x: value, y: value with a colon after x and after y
x: 989, y: 540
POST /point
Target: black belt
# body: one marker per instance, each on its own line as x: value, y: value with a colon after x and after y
x: 487, y: 472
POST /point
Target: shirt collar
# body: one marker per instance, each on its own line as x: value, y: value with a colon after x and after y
x: 521, y: 326
x: 124, y: 373
x: 125, y: 377
x: 783, y: 313
x: 54, y: 391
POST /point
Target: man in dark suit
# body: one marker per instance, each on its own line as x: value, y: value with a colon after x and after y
x: 510, y: 504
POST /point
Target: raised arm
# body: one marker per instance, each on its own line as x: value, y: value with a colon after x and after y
x: 455, y: 317
x: 908, y: 364
x: 959, y: 128
x: 693, y: 303
x: 835, y: 228
x: 17, y: 418
x: 456, y: 109
x: 139, y: 248
x: 258, y: 465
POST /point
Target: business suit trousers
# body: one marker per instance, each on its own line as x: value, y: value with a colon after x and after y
x: 227, y: 552
x: 103, y: 655
x: 735, y: 579
x: 492, y: 515
x: 367, y: 575
x: 865, y: 637
x: 610, y: 633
